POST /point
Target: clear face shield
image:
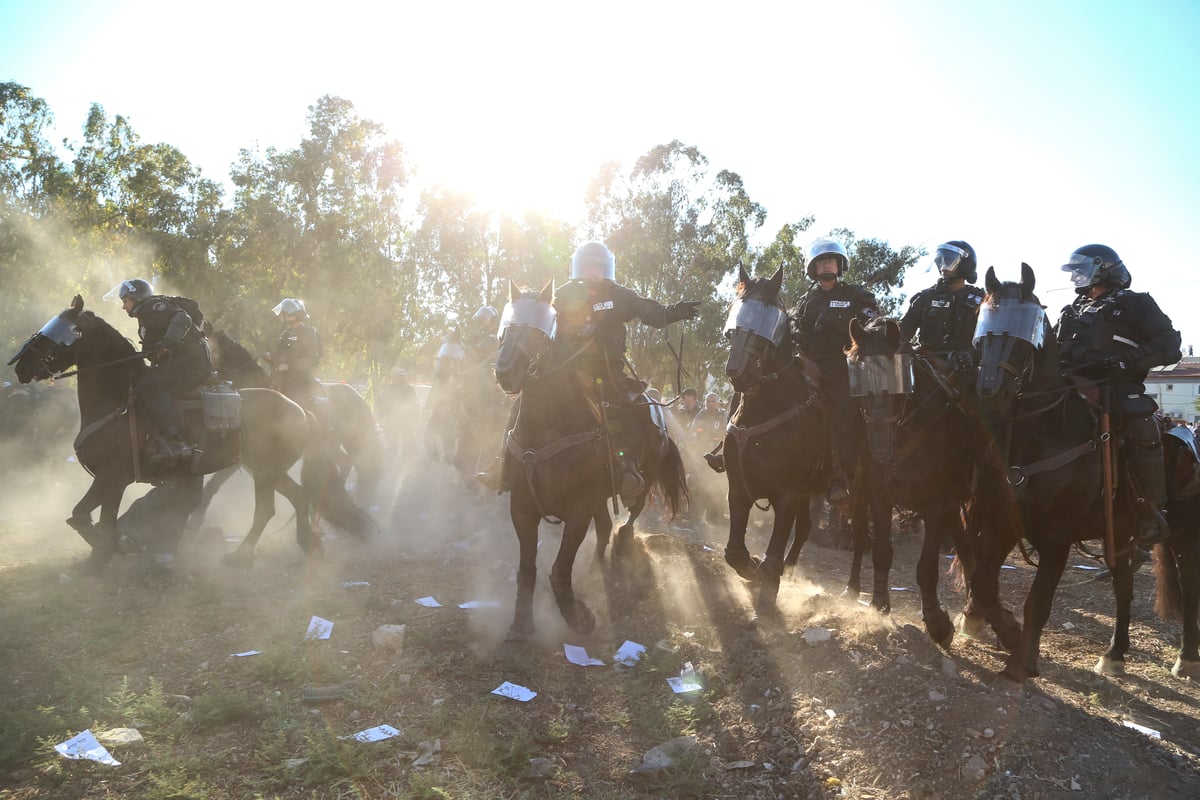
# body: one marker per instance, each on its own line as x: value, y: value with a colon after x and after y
x: 758, y: 318
x: 528, y: 313
x: 113, y: 295
x: 946, y: 260
x: 1082, y: 269
x: 288, y: 307
x: 880, y: 375
x: 1011, y: 317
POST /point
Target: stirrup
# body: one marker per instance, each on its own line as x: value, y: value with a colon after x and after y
x: 1152, y: 530
x: 715, y: 461
x: 632, y: 485
x: 837, y: 493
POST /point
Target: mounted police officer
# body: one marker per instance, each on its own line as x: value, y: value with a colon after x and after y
x: 592, y: 311
x: 1116, y: 336
x: 296, y: 353
x: 481, y: 334
x: 179, y: 360
x: 822, y: 325
x: 944, y: 315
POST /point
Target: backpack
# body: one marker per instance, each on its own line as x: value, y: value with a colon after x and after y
x: 190, y: 307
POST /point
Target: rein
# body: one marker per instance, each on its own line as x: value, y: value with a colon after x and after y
x: 77, y: 370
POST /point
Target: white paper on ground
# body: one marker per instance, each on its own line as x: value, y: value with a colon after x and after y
x: 318, y: 628
x: 1141, y: 728
x: 354, y: 584
x: 579, y: 655
x: 428, y: 602
x: 84, y: 745
x: 629, y: 653
x: 480, y: 604
x: 243, y: 655
x: 514, y: 692
x: 688, y: 680
x: 376, y: 734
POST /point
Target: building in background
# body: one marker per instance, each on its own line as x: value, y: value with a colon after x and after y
x: 1176, y: 389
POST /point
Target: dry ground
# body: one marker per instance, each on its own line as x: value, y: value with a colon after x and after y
x: 875, y: 712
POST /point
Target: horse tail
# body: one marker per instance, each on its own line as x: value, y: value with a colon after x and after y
x: 326, y: 487
x: 1168, y: 597
x: 672, y: 479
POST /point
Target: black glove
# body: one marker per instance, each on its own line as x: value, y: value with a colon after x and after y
x: 1112, y: 366
x: 961, y: 361
x: 688, y: 309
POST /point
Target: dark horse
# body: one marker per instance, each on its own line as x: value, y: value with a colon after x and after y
x: 557, y: 459
x: 922, y: 434
x: 350, y: 433
x: 777, y: 442
x: 1178, y: 564
x: 1046, y: 439
x: 274, y: 433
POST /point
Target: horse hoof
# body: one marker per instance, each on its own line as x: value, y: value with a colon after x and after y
x: 767, y: 619
x: 971, y: 627
x: 1109, y: 666
x: 238, y: 559
x: 941, y: 631
x: 518, y: 634
x: 744, y: 564
x: 1186, y: 669
x: 585, y: 620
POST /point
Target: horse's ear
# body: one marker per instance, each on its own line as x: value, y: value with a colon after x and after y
x: 990, y: 282
x: 513, y: 292
x: 206, y: 328
x: 856, y: 329
x: 547, y: 293
x: 77, y: 303
x: 742, y: 276
x: 1027, y: 279
x: 775, y: 282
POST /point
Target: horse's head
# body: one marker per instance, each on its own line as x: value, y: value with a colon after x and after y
x: 1010, y: 331
x: 52, y: 349
x: 527, y: 328
x: 879, y: 363
x: 757, y: 330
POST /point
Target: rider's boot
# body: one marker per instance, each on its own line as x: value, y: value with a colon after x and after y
x: 493, y: 478
x: 630, y: 483
x: 1144, y: 455
x: 172, y: 449
x: 715, y: 461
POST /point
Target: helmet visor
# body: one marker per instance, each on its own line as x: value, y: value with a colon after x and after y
x: 1011, y: 317
x: 452, y: 351
x: 114, y: 295
x: 287, y: 307
x: 60, y: 331
x: 1083, y: 269
x: 892, y: 374
x: 529, y: 313
x: 947, y: 258
x: 758, y: 318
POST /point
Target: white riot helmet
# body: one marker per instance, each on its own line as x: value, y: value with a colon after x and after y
x: 594, y: 260
x: 825, y: 247
x: 289, y: 306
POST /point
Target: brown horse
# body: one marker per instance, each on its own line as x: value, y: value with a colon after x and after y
x: 557, y: 459
x: 274, y: 434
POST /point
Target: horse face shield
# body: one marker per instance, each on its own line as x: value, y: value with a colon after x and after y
x: 1009, y: 330
x: 881, y: 384
x: 46, y: 349
x: 754, y: 329
x: 527, y: 326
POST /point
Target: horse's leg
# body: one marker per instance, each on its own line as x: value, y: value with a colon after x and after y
x: 1187, y: 554
x: 264, y: 509
x: 736, y: 554
x: 983, y: 604
x: 1113, y: 660
x: 881, y: 549
x: 211, y: 487
x: 938, y: 518
x: 577, y: 615
x: 101, y: 538
x: 771, y: 568
x: 1052, y: 560
x: 298, y: 497
x: 525, y: 523
x: 604, y: 528
x: 804, y: 523
x: 623, y: 544
x: 858, y: 535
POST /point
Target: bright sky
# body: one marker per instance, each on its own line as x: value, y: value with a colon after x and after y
x: 1025, y: 128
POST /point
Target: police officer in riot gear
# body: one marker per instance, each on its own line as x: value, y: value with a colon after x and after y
x: 296, y: 353
x: 1116, y: 336
x: 481, y: 339
x: 179, y: 361
x: 944, y: 315
x: 592, y: 311
x: 822, y: 328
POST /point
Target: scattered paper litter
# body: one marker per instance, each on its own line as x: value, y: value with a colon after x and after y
x: 829, y: 712
x: 688, y: 680
x: 376, y: 734
x: 233, y: 539
x: 318, y: 628
x: 243, y: 655
x: 1141, y: 728
x: 1068, y: 625
x: 1007, y: 566
x: 354, y: 584
x: 84, y: 745
x: 514, y: 692
x: 480, y: 604
x: 428, y: 602
x: 709, y: 549
x: 817, y: 635
x: 579, y: 655
x: 629, y: 653
x: 1088, y: 567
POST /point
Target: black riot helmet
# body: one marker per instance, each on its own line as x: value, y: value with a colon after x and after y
x: 136, y: 289
x: 956, y: 260
x: 595, y: 261
x: 1094, y: 264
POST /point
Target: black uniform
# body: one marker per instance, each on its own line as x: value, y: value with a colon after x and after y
x: 295, y: 360
x: 1118, y: 338
x: 180, y: 359
x: 945, y: 319
x: 821, y: 321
